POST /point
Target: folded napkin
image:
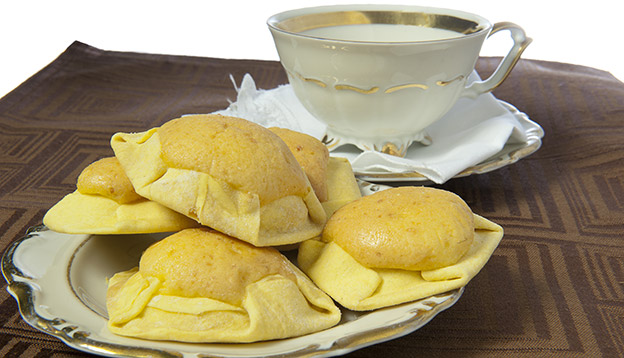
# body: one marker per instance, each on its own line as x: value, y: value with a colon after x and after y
x: 471, y: 132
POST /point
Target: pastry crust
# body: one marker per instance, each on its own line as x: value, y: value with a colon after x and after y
x: 311, y: 154
x: 360, y: 288
x: 399, y: 272
x: 342, y: 187
x: 411, y: 228
x: 227, y: 173
x: 106, y: 177
x: 243, y: 154
x: 331, y: 177
x: 105, y: 203
x: 206, y: 263
x: 199, y: 285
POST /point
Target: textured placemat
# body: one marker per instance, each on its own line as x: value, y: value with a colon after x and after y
x: 555, y: 285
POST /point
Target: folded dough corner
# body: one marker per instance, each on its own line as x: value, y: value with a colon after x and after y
x: 227, y: 173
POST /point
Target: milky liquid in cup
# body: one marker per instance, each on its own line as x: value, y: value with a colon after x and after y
x: 382, y: 33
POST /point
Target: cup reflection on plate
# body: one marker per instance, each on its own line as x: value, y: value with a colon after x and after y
x: 379, y: 75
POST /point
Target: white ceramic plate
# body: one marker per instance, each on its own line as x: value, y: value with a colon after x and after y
x: 59, y: 282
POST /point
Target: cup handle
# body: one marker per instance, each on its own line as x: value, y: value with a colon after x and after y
x: 521, y: 41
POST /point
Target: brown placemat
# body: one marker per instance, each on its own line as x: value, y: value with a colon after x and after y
x: 554, y: 287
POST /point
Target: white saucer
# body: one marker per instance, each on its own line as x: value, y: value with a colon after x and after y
x: 511, y: 153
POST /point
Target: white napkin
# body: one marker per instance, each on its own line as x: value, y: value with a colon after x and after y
x: 472, y: 131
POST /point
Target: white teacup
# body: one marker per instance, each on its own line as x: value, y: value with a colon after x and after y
x: 378, y: 75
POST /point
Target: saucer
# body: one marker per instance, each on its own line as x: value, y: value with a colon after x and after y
x: 509, y: 154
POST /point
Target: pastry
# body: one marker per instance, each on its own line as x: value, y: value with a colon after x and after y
x: 227, y: 173
x: 331, y: 177
x: 342, y: 187
x: 311, y: 154
x: 398, y: 245
x: 105, y: 202
x: 199, y: 285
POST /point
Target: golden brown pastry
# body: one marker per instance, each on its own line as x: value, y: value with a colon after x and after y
x: 398, y: 245
x: 227, y: 173
x: 331, y: 177
x: 410, y: 228
x: 199, y: 285
x: 311, y: 154
x: 106, y: 177
x: 105, y: 203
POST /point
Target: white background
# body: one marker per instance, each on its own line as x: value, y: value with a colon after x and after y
x: 33, y: 33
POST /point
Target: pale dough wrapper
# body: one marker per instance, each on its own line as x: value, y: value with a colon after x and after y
x: 230, y: 174
x: 360, y: 288
x: 80, y: 213
x: 167, y: 298
x: 342, y: 187
x: 105, y: 203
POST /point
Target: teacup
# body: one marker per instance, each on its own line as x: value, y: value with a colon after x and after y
x: 379, y: 75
